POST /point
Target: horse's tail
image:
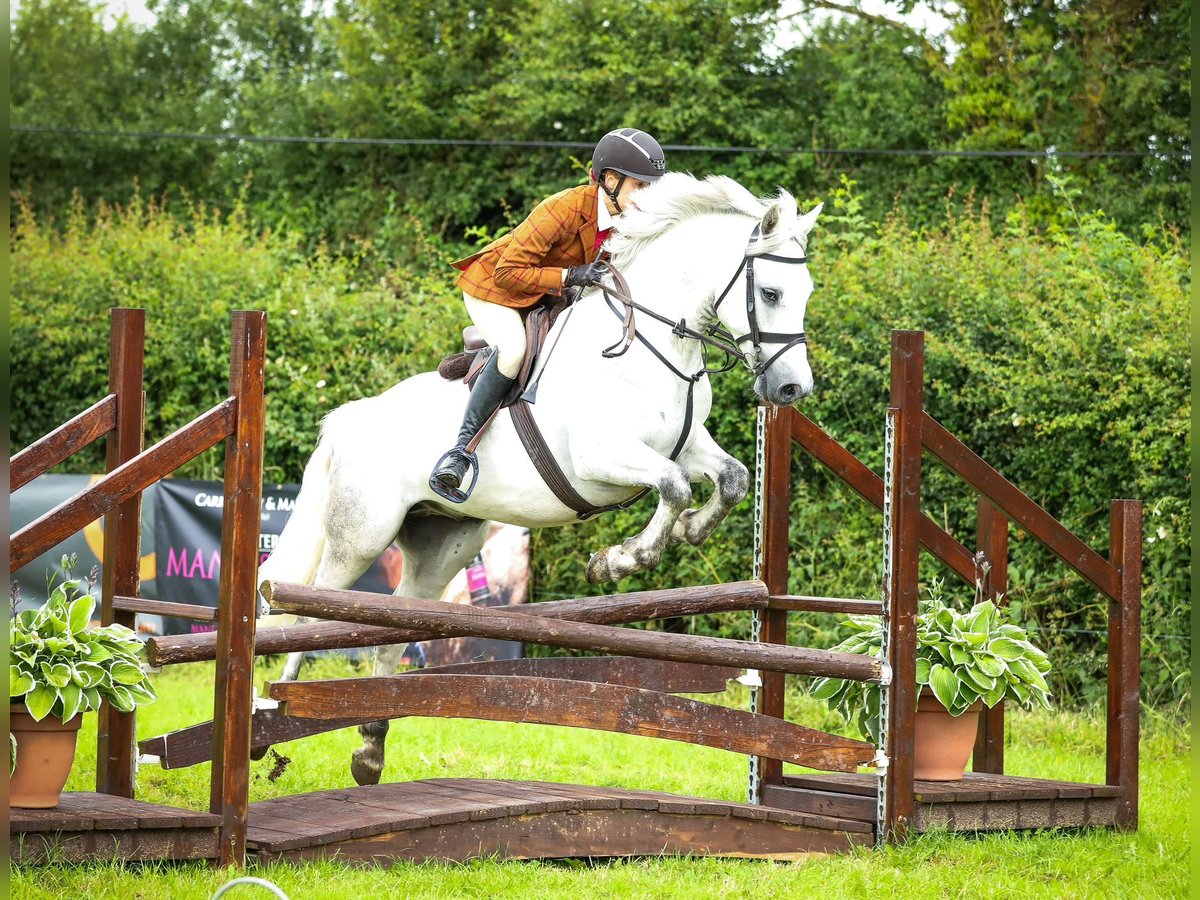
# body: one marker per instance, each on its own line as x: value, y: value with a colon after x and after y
x: 302, y: 541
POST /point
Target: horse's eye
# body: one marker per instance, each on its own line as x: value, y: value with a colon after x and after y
x: 771, y: 295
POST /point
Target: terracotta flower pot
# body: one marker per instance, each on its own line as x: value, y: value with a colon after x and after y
x: 45, y: 752
x: 943, y: 742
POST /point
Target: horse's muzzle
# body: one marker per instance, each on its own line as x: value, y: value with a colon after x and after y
x: 782, y: 394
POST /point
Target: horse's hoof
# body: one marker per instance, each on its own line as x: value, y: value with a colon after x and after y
x: 597, y: 570
x: 363, y: 774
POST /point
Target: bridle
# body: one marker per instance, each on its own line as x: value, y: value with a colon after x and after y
x: 756, y: 337
x: 714, y: 335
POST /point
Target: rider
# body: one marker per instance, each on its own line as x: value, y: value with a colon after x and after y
x: 556, y: 248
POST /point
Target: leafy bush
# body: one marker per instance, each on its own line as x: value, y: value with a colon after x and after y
x: 60, y: 666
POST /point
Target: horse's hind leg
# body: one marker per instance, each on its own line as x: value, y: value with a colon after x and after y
x: 705, y: 461
x: 434, y: 550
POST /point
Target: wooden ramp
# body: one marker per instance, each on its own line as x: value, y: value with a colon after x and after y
x: 980, y: 802
x: 456, y: 819
x: 87, y: 826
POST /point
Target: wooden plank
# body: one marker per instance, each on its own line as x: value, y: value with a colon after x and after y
x: 121, y: 557
x: 1124, y: 658
x: 1018, y: 507
x: 777, y: 517
x: 908, y: 392
x: 991, y: 539
x: 238, y: 598
x: 519, y: 698
x: 191, y: 611
x: 63, y: 442
x: 651, y: 674
x: 189, y: 746
x: 836, y: 605
x: 614, y: 609
x: 453, y: 620
x: 869, y: 486
x: 820, y: 802
x: 96, y: 499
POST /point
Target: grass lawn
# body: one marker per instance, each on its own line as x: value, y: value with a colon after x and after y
x: 1151, y: 863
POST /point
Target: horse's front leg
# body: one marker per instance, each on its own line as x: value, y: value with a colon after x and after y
x: 704, y: 460
x: 631, y: 462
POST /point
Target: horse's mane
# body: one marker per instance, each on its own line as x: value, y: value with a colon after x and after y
x: 677, y: 197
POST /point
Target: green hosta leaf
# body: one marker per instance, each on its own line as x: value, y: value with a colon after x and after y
x: 994, y: 696
x: 989, y: 665
x: 97, y: 652
x: 825, y: 688
x: 88, y: 674
x: 1020, y: 691
x: 121, y: 699
x: 92, y: 696
x: 923, y: 667
x: 143, y: 693
x: 975, y: 638
x: 26, y: 619
x: 72, y: 701
x: 127, y: 673
x: 80, y: 612
x: 959, y: 656
x: 944, y: 684
x: 40, y: 700
x: 981, y: 681
x: 58, y: 674
x: 20, y: 682
x: 1005, y: 649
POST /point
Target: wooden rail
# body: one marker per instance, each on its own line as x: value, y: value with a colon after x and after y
x: 451, y: 620
x: 548, y: 701
x: 122, y: 483
x: 63, y: 442
x: 617, y: 609
x: 192, y: 745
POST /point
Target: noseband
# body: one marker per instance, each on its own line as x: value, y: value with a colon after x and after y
x: 755, y: 336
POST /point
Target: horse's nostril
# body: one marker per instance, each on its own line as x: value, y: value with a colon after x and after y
x: 789, y: 392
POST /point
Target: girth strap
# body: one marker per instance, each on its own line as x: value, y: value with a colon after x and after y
x: 543, y: 459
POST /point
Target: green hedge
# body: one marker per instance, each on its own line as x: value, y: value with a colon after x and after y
x: 1061, y: 357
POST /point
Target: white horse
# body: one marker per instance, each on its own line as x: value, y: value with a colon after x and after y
x: 688, y: 252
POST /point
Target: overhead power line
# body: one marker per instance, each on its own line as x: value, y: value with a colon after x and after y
x: 585, y: 145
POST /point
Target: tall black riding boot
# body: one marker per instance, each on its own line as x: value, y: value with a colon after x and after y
x: 485, y: 399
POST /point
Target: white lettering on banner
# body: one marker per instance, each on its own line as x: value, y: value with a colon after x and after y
x: 267, y: 541
x: 210, y: 500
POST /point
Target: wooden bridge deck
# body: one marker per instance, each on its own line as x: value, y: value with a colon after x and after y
x: 460, y: 819
x: 980, y: 802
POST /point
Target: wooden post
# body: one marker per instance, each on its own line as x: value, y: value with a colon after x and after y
x: 1124, y: 658
x: 237, y: 613
x: 992, y: 540
x: 122, y: 536
x: 777, y: 501
x: 908, y: 374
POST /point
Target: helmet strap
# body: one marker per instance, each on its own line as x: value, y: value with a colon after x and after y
x: 612, y: 195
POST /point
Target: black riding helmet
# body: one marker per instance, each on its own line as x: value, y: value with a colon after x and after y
x: 631, y: 154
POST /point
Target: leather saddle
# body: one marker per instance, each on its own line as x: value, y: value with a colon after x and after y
x: 467, y: 364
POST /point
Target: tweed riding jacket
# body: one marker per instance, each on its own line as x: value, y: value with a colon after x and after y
x: 521, y: 267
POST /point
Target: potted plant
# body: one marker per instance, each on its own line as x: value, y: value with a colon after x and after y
x: 966, y: 659
x: 59, y: 668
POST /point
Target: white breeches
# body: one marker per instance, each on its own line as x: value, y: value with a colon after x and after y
x: 501, y: 327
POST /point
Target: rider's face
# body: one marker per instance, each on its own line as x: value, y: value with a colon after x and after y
x: 625, y: 196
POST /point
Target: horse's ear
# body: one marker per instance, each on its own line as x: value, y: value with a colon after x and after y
x: 770, y: 220
x: 805, y: 223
